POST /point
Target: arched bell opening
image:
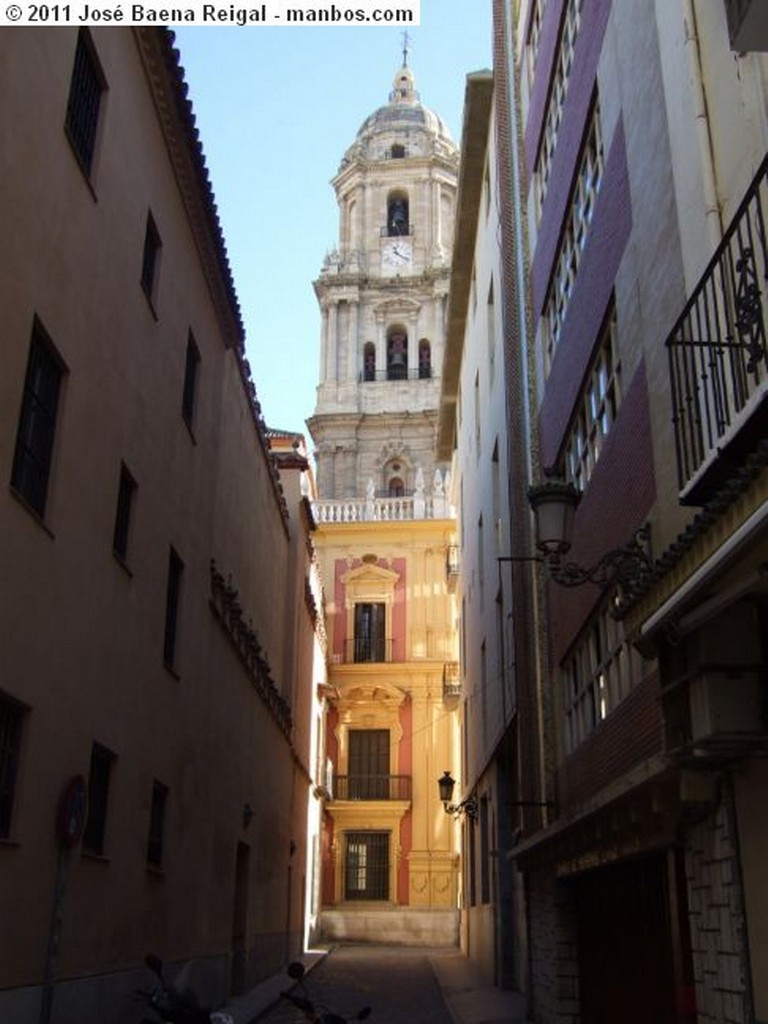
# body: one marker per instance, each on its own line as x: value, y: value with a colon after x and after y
x: 397, y: 353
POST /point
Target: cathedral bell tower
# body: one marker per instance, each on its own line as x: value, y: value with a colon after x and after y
x: 382, y: 292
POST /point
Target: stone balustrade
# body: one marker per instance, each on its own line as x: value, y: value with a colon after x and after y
x: 389, y: 509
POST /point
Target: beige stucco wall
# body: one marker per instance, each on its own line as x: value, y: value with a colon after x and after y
x: 84, y: 634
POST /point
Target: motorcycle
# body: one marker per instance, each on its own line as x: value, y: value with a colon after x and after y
x: 316, y: 1013
x: 173, y: 1006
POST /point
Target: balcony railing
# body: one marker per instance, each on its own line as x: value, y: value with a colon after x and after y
x: 451, y: 681
x: 452, y: 565
x: 362, y: 649
x: 372, y: 787
x: 717, y: 349
x: 396, y: 373
x: 383, y: 510
x: 402, y: 230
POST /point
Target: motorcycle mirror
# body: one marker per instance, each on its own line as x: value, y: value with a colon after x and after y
x: 296, y: 970
x: 155, y: 964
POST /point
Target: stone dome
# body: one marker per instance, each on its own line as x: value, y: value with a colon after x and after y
x: 403, y: 122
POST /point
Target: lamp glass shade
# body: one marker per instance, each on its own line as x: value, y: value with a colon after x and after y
x: 446, y: 784
x: 554, y: 505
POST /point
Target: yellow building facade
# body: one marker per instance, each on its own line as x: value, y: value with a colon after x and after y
x: 384, y: 526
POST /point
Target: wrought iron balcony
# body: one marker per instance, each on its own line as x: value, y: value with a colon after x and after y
x: 452, y: 566
x: 372, y: 787
x: 368, y: 648
x: 717, y: 354
x: 451, y: 682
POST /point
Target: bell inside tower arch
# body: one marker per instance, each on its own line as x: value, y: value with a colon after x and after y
x: 397, y: 354
x: 397, y: 214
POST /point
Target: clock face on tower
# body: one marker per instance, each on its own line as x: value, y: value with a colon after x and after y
x: 397, y: 254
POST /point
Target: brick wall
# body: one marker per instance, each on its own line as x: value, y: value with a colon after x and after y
x: 628, y: 736
x: 554, y: 963
x: 718, y: 932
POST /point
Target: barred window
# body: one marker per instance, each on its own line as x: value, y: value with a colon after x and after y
x: 37, y: 421
x: 558, y: 90
x: 11, y: 722
x: 599, y: 673
x: 577, y: 221
x: 85, y: 91
x: 597, y: 409
x: 156, y: 835
x: 366, y: 866
x: 172, y: 598
x: 150, y: 257
x: 98, y: 798
x: 125, y: 495
x: 189, y: 393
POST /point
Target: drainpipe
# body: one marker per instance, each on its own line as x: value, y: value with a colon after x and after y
x: 703, y: 130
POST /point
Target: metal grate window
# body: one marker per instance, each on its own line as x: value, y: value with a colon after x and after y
x: 11, y: 718
x: 173, y: 592
x: 98, y: 798
x: 367, y: 866
x: 190, y: 381
x: 150, y: 257
x: 157, y: 825
x: 37, y: 421
x: 85, y: 91
x: 125, y: 494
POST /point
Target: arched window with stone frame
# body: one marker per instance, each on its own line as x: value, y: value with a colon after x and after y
x: 395, y: 474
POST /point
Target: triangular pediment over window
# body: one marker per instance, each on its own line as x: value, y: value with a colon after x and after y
x: 370, y: 583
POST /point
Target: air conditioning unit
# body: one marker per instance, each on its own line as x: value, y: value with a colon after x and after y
x: 725, y: 704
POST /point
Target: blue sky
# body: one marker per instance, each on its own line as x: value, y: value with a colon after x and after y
x: 276, y: 108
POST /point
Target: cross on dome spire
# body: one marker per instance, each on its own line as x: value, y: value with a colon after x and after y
x: 404, y: 90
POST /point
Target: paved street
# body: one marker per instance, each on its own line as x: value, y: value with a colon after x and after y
x: 398, y: 984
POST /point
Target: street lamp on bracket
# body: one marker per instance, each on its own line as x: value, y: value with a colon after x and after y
x: 554, y: 504
x: 469, y: 806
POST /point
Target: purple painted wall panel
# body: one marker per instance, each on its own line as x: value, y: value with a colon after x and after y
x: 576, y: 109
x: 617, y: 501
x: 607, y: 240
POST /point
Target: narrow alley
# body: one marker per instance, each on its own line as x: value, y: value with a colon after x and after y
x: 402, y: 985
